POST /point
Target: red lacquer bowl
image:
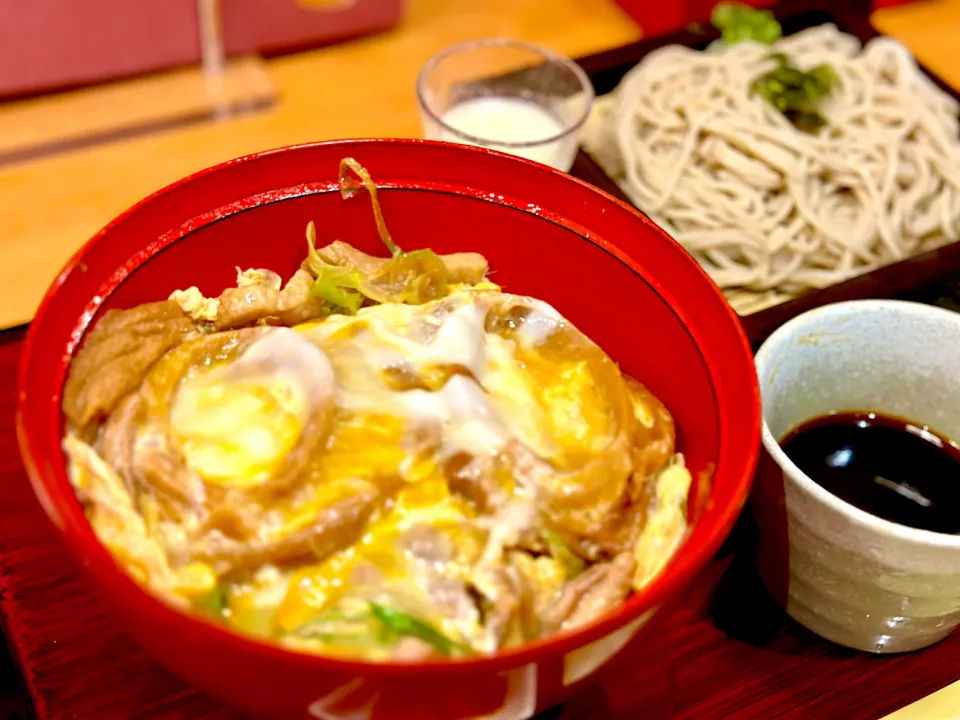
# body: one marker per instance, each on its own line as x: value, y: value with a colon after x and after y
x: 603, y: 265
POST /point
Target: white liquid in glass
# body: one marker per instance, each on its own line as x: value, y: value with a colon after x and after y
x: 508, y: 120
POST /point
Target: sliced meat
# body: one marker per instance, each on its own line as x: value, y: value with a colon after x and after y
x: 232, y: 514
x: 570, y: 597
x: 591, y: 531
x: 509, y: 615
x: 588, y: 550
x: 609, y: 591
x: 427, y: 543
x: 243, y: 306
x: 586, y: 502
x: 545, y: 575
x: 254, y: 276
x: 298, y: 463
x: 533, y: 543
x: 403, y: 377
x: 156, y: 465
x: 411, y: 649
x: 117, y: 354
x: 589, y: 595
x: 470, y: 478
x: 297, y: 305
x: 335, y: 528
x: 429, y: 550
x: 117, y: 438
x: 255, y: 302
x: 654, y: 435
x: 529, y: 469
x: 462, y: 267
x: 652, y: 441
x: 528, y: 622
x: 467, y: 267
x: 367, y: 575
x: 135, y: 318
x: 344, y: 254
x: 499, y: 613
x: 619, y: 530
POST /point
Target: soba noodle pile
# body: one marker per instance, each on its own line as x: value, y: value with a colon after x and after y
x: 768, y: 210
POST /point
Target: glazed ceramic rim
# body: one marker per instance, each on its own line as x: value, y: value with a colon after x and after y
x: 549, y: 55
x: 773, y: 348
x: 677, y: 574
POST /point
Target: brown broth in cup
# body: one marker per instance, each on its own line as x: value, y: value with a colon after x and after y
x: 893, y: 468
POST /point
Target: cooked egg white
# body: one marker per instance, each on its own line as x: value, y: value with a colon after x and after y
x: 666, y: 522
x: 500, y: 387
x: 402, y: 390
x: 410, y: 386
x: 380, y: 560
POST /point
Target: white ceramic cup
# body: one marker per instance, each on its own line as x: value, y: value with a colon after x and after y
x: 845, y: 574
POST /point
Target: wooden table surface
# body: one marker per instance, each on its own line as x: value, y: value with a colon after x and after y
x: 50, y: 206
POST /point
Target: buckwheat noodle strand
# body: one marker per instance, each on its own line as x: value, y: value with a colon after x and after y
x: 768, y: 210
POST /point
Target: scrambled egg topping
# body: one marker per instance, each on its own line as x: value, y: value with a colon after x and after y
x: 396, y: 394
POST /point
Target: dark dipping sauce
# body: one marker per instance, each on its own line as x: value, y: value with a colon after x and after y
x: 890, y: 467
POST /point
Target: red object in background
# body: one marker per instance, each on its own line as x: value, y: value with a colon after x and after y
x: 55, y: 44
x: 877, y: 4
x: 534, y: 225
x: 661, y: 18
x: 672, y: 15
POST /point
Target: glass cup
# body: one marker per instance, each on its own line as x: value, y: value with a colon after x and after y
x: 507, y: 96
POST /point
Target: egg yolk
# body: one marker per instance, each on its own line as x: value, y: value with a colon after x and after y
x: 427, y: 502
x: 236, y: 433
